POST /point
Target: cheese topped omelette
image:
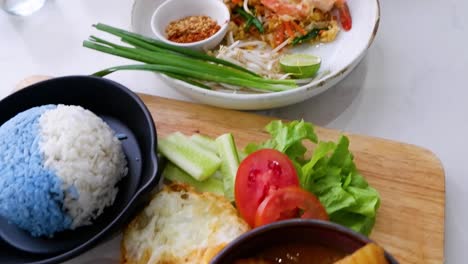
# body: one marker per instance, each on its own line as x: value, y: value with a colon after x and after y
x: 181, y: 225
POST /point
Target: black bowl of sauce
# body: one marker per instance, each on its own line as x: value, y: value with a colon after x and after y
x: 295, y: 241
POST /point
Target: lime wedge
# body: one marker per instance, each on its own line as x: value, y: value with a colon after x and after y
x: 300, y: 65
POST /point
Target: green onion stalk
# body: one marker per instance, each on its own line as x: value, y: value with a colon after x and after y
x: 180, y: 63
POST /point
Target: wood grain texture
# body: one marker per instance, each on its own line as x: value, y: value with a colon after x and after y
x: 411, y: 181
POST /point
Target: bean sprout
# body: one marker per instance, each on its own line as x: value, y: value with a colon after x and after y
x: 254, y: 55
x: 246, y: 7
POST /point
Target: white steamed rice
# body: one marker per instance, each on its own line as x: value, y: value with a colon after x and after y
x: 85, y: 154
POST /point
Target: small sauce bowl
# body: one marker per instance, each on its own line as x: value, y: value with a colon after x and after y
x: 173, y: 10
x: 290, y: 232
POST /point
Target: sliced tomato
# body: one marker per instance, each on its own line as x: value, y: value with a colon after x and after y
x: 345, y: 15
x: 289, y: 202
x: 258, y: 175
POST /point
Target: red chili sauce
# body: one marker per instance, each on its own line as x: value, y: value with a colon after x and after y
x: 294, y: 254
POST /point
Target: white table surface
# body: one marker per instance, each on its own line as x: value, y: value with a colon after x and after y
x: 412, y: 86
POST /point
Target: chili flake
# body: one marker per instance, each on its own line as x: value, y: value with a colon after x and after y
x: 191, y: 29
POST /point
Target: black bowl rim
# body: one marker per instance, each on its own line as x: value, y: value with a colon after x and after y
x: 152, y: 182
x: 297, y: 223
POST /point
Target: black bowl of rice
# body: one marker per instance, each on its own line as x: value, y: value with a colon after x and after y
x: 77, y: 161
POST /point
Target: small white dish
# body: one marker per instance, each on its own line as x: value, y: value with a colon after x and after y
x: 339, y: 58
x: 172, y: 10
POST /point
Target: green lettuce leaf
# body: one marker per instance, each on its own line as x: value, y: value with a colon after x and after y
x: 332, y: 176
x: 367, y: 201
x: 359, y: 223
x: 330, y: 173
x: 322, y: 150
x: 336, y: 199
x: 287, y: 138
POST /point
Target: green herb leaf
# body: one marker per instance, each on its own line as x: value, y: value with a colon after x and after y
x: 310, y: 35
x: 250, y: 19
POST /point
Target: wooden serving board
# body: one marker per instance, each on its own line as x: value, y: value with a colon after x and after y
x: 411, y: 181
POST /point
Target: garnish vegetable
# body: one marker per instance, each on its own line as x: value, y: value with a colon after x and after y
x: 300, y: 65
x: 289, y: 202
x: 310, y: 35
x: 189, y: 156
x: 278, y: 180
x: 330, y: 174
x: 230, y: 162
x: 259, y: 175
x: 179, y: 62
x: 251, y: 20
x: 176, y: 174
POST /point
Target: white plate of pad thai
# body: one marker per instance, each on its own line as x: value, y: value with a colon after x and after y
x: 315, y: 43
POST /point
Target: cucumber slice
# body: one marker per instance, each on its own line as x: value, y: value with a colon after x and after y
x: 205, y: 142
x: 176, y: 174
x: 189, y: 156
x: 218, y: 175
x: 230, y: 162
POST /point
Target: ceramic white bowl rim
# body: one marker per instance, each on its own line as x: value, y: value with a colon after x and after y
x: 171, y: 9
x: 261, y: 101
x: 266, y: 96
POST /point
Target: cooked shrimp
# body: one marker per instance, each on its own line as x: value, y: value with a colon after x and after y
x: 299, y: 8
x: 324, y: 5
x: 345, y: 15
x: 293, y: 8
